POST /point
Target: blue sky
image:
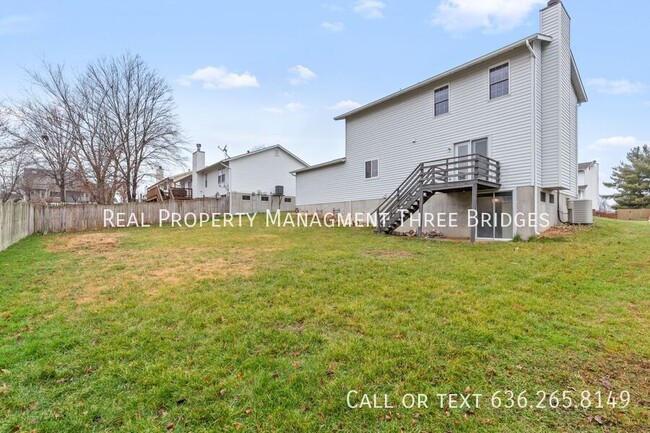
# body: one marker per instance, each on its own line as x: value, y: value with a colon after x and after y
x: 251, y: 73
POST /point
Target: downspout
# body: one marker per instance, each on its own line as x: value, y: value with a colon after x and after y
x: 533, y: 72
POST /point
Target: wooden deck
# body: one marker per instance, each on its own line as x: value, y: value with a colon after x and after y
x: 465, y: 173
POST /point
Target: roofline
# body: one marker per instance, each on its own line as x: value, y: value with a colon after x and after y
x: 580, y: 90
x: 250, y: 153
x: 587, y: 164
x: 264, y: 149
x: 464, y: 66
x: 211, y: 166
x: 321, y: 165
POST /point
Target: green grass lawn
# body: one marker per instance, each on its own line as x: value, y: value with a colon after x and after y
x: 267, y: 329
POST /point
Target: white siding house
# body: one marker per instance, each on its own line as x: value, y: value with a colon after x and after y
x: 516, y: 105
x: 250, y: 177
x: 588, y: 183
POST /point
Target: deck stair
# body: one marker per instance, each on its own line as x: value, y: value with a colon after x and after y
x: 471, y: 172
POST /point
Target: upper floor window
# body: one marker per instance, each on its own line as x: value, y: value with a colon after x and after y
x: 500, y: 81
x: 221, y: 177
x: 372, y: 168
x: 441, y: 101
x: 542, y: 196
x: 206, y: 180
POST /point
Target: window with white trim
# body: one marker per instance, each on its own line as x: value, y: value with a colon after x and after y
x: 441, y: 101
x: 500, y: 80
x: 372, y: 168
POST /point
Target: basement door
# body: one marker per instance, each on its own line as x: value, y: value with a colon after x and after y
x: 492, y: 224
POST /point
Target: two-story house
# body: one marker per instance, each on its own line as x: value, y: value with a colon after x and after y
x: 253, y: 181
x: 588, y: 183
x: 494, y: 135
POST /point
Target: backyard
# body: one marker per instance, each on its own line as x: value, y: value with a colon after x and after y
x: 268, y: 329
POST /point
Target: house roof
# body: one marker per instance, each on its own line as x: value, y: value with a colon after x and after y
x: 585, y: 165
x: 224, y: 162
x: 445, y: 75
x: 321, y: 165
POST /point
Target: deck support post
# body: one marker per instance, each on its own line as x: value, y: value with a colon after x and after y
x: 421, y: 210
x: 378, y: 223
x: 472, y: 230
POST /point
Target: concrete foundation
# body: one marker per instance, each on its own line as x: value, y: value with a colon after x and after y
x: 447, y: 213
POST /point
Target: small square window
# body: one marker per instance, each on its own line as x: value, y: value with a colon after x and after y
x: 500, y: 81
x: 542, y: 196
x: 551, y: 198
x: 372, y: 168
x: 287, y: 199
x: 245, y: 197
x: 265, y: 198
x: 441, y: 101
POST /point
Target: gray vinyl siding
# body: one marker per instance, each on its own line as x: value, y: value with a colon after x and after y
x: 559, y: 102
x: 403, y: 132
x: 534, y: 140
x: 550, y: 23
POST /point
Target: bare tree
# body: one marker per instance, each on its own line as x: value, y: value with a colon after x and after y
x: 13, y: 158
x: 140, y: 108
x: 84, y: 107
x: 48, y: 134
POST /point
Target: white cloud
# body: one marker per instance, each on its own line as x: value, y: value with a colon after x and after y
x: 295, y: 106
x: 345, y: 105
x: 616, y: 87
x: 219, y: 78
x: 12, y: 24
x: 301, y: 75
x: 489, y: 15
x: 370, y: 9
x: 291, y: 106
x: 616, y: 142
x: 332, y: 27
x: 273, y: 110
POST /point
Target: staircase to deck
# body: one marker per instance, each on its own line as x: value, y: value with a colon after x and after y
x: 470, y: 172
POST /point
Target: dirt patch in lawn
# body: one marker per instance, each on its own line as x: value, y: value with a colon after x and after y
x: 104, y: 273
x: 84, y: 243
x: 560, y: 232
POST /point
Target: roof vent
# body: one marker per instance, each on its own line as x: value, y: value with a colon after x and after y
x: 553, y: 3
x: 198, y: 147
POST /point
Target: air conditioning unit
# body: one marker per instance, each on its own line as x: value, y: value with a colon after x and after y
x: 279, y: 190
x: 581, y: 212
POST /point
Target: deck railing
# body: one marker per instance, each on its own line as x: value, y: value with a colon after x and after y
x: 442, y: 172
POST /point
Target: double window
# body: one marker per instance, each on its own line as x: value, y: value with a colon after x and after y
x: 372, y: 168
x: 441, y: 101
x: 221, y: 177
x: 500, y: 80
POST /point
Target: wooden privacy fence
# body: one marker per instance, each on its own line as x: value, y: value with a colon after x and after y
x: 633, y: 214
x: 18, y: 220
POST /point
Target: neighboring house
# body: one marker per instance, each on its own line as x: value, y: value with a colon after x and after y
x: 588, y: 183
x: 178, y: 187
x: 254, y: 181
x: 497, y: 135
x: 254, y: 172
x: 39, y: 186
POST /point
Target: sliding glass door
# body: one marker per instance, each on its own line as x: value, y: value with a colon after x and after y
x: 495, y: 216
